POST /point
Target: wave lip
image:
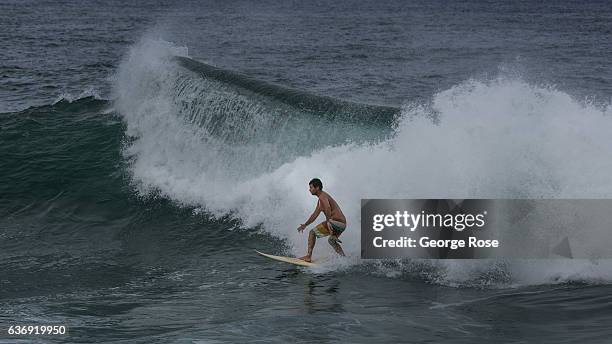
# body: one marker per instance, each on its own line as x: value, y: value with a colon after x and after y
x: 329, y: 107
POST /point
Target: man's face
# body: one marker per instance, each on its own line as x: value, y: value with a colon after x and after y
x: 312, y: 189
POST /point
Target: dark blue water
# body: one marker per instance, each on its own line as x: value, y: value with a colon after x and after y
x: 135, y: 186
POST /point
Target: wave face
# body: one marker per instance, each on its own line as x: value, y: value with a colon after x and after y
x: 327, y: 108
x: 232, y: 145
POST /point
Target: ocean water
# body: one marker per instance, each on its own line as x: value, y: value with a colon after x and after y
x: 147, y: 149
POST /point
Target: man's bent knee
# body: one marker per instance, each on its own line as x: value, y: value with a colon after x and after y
x: 333, y: 240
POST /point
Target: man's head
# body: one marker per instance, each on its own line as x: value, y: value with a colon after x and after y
x: 315, y: 186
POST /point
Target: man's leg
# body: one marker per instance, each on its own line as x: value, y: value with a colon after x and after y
x: 312, y: 239
x: 332, y: 241
x: 319, y: 231
x: 333, y: 235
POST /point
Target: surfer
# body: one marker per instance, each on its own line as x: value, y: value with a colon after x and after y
x: 334, y: 224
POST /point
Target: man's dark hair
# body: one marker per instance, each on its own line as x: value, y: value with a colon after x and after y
x: 316, y: 182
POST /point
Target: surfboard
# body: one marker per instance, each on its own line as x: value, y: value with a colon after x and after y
x: 290, y: 260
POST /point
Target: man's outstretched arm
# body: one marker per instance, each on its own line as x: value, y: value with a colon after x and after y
x: 312, y: 217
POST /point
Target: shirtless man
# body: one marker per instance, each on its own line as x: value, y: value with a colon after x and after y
x: 334, y: 224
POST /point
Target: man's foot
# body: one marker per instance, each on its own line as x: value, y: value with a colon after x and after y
x: 306, y: 259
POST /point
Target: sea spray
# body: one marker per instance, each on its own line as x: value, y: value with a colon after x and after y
x: 496, y: 139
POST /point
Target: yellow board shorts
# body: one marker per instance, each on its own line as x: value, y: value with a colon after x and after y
x: 321, y: 230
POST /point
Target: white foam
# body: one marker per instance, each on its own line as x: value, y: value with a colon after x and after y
x: 69, y: 97
x: 497, y: 139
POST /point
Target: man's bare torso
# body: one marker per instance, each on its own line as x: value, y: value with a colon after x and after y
x: 336, y: 212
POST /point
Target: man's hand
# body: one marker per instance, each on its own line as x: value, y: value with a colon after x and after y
x: 301, y: 228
